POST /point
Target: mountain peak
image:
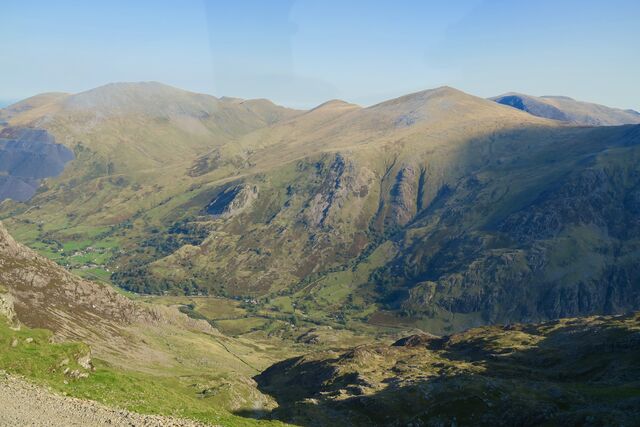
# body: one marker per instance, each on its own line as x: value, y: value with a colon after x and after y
x: 149, y: 97
x: 131, y: 88
x: 335, y: 104
x: 441, y: 105
x: 442, y: 91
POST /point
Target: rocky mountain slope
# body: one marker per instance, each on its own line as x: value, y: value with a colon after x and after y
x: 325, y: 188
x: 469, y: 215
x: 40, y: 294
x: 569, y: 110
x: 552, y: 237
x: 567, y: 372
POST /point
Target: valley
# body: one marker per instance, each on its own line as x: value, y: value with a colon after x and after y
x: 319, y: 214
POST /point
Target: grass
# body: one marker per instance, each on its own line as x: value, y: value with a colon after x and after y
x: 36, y: 358
x: 283, y: 304
x: 95, y: 274
x: 607, y: 392
x: 241, y: 326
x: 85, y: 250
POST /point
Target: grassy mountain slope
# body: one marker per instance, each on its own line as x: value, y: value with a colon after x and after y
x: 323, y: 190
x: 134, y: 145
x: 569, y: 110
x: 29, y: 104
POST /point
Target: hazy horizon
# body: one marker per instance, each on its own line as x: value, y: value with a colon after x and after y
x: 300, y: 54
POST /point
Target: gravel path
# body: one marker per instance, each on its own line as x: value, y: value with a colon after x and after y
x: 25, y: 404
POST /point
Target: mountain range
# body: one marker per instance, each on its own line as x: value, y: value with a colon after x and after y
x: 437, y: 209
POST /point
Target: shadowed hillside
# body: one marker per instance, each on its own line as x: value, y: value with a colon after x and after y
x: 569, y: 110
x: 26, y: 157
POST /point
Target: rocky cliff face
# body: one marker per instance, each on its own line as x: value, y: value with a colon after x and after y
x: 498, y: 252
x: 521, y: 225
x: 232, y: 201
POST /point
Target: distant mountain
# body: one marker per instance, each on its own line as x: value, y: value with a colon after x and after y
x: 5, y: 103
x: 569, y: 110
x: 159, y: 100
x: 19, y: 107
x: 120, y: 128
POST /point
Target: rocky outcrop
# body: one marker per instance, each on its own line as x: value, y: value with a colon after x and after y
x: 555, y: 373
x: 6, y: 307
x: 419, y: 340
x: 335, y: 186
x: 232, y: 200
x: 404, y: 195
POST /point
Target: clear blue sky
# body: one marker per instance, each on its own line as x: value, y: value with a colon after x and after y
x: 302, y: 52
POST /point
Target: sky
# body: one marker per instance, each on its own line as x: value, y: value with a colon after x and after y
x: 300, y: 53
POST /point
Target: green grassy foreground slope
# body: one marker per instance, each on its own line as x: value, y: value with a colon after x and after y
x: 31, y: 354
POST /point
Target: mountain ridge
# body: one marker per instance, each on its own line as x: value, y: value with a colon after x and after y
x: 567, y: 109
